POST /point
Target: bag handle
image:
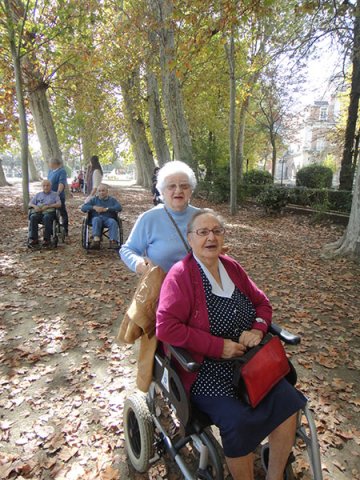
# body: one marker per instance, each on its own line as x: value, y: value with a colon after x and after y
x: 187, y: 248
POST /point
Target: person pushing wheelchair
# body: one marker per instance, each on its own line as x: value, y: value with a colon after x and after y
x: 206, y: 299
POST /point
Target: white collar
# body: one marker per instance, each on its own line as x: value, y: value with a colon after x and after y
x: 227, y: 283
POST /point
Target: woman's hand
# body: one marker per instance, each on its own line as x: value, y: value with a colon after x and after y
x: 143, y: 265
x: 232, y: 349
x: 251, y: 338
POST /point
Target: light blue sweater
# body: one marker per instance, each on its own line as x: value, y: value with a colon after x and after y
x: 154, y: 236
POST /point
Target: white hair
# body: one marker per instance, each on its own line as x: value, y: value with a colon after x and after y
x: 172, y: 168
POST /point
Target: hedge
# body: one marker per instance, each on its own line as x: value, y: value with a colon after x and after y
x: 314, y: 176
x: 218, y: 191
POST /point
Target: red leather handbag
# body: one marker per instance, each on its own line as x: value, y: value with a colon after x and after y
x: 260, y: 369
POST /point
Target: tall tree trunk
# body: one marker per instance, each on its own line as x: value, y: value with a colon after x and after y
x: 347, y: 169
x: 39, y: 105
x: 156, y: 124
x: 273, y: 153
x: 241, y: 137
x: 3, y: 181
x: 210, y: 157
x: 171, y: 90
x: 24, y: 139
x: 349, y: 244
x: 44, y: 123
x: 144, y: 160
x: 230, y: 51
x: 33, y: 174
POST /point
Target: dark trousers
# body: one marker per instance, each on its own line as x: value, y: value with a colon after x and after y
x: 64, y: 215
x: 46, y: 219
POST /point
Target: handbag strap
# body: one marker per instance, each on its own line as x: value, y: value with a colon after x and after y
x: 187, y: 248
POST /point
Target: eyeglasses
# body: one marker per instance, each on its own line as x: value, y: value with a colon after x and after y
x: 173, y: 186
x: 204, y: 232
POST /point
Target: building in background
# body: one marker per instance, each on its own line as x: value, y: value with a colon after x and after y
x: 312, y: 142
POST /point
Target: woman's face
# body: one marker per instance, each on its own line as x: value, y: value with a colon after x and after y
x: 177, y: 191
x: 206, y: 244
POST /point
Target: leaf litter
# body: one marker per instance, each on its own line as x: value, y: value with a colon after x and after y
x: 63, y: 379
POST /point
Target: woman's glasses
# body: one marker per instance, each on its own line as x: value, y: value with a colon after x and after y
x: 173, y: 186
x: 204, y: 232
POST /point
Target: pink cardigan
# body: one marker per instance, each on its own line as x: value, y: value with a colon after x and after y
x: 182, y: 318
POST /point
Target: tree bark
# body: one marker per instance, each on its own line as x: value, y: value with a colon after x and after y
x: 39, y: 105
x: 171, y: 90
x: 273, y: 153
x: 144, y: 160
x: 156, y: 124
x: 44, y: 123
x: 24, y: 139
x: 33, y: 174
x: 230, y: 51
x: 349, y: 244
x: 241, y: 137
x: 3, y: 181
x: 347, y: 168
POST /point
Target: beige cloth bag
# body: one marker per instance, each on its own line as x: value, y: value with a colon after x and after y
x: 139, y: 322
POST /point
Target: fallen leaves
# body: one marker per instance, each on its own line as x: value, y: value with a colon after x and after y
x: 63, y: 380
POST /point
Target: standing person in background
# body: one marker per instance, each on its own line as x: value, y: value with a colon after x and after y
x: 94, y: 177
x: 155, y: 192
x: 58, y: 178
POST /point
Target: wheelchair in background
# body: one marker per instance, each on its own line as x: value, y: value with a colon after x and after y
x: 86, y: 231
x: 57, y: 234
x: 184, y: 433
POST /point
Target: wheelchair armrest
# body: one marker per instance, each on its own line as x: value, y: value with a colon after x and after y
x: 284, y: 335
x: 184, y: 358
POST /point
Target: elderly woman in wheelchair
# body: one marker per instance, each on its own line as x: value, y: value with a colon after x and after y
x: 211, y: 308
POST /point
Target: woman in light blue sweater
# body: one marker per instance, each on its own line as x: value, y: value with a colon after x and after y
x: 154, y: 239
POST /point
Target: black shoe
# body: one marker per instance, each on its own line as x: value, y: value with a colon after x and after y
x: 33, y: 243
x: 96, y: 245
x: 46, y: 243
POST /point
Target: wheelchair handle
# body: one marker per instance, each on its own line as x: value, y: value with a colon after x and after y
x: 184, y: 358
x: 284, y: 335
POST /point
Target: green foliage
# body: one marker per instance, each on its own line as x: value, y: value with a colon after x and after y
x: 330, y: 162
x: 273, y: 199
x: 314, y: 176
x: 258, y: 177
x: 218, y: 189
x: 335, y: 200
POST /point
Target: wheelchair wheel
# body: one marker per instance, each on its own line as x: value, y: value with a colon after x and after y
x: 85, y: 235
x: 61, y: 233
x: 121, y: 233
x: 306, y: 431
x: 55, y: 238
x: 139, y: 432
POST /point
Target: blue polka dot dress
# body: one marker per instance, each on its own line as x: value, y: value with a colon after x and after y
x: 228, y: 318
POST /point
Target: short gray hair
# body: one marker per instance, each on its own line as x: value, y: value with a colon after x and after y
x: 172, y: 168
x: 204, y: 211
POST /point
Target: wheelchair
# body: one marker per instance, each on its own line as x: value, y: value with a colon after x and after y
x: 58, y: 230
x: 187, y: 437
x: 86, y: 230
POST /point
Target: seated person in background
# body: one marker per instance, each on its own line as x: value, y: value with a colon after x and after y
x: 43, y: 207
x: 103, y: 209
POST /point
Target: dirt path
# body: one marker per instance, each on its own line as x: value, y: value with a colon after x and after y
x: 63, y: 379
